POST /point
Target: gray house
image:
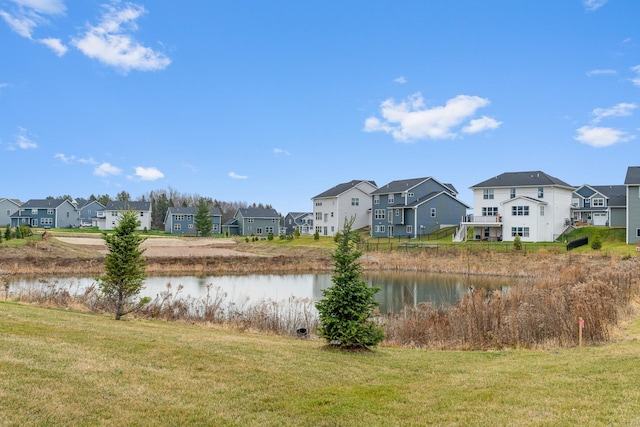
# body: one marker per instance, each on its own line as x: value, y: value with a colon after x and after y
x: 301, y: 221
x: 253, y: 222
x: 411, y: 208
x: 7, y: 207
x: 600, y: 205
x: 181, y: 220
x: 47, y: 213
x: 632, y: 184
x: 88, y: 210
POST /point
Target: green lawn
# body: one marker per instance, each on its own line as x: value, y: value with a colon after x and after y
x: 66, y: 368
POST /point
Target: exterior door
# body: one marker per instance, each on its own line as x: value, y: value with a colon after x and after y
x: 391, y: 231
x: 599, y: 218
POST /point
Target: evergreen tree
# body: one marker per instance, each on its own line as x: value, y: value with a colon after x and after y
x: 202, y: 219
x: 125, y: 268
x: 7, y: 233
x: 346, y: 309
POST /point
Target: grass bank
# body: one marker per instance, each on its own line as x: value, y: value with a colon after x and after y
x: 67, y: 368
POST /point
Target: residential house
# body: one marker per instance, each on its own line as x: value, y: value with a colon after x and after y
x: 600, y: 205
x: 534, y: 205
x: 109, y: 217
x: 181, y: 220
x: 253, y: 222
x: 301, y: 221
x: 47, y: 213
x: 7, y: 207
x: 88, y: 210
x: 632, y: 185
x: 414, y: 207
x: 344, y: 201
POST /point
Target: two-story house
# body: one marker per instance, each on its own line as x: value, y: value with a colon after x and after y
x: 47, y: 213
x: 7, y: 207
x: 181, y: 220
x: 600, y: 205
x: 414, y: 207
x: 109, y: 217
x: 632, y: 185
x: 253, y: 222
x: 345, y: 201
x: 88, y: 209
x: 301, y: 221
x: 533, y: 205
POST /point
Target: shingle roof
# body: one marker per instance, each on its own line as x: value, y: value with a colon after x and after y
x: 114, y: 205
x: 341, y: 188
x: 42, y: 203
x: 633, y: 175
x: 522, y: 179
x: 401, y: 185
x: 617, y: 194
x: 192, y: 210
x: 258, y: 213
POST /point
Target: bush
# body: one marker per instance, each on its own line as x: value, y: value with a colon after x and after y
x: 596, y: 243
x: 316, y: 235
x: 270, y: 236
x: 517, y: 243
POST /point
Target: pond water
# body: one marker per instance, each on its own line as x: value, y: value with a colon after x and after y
x: 398, y: 289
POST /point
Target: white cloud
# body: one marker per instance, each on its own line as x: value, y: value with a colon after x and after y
x: 23, y: 141
x: 106, y: 169
x: 148, y: 174
x: 481, y: 124
x: 601, y: 72
x: 88, y: 161
x: 236, y: 176
x: 47, y: 7
x: 21, y: 24
x: 30, y: 13
x: 111, y: 43
x: 281, y: 151
x: 619, y: 110
x: 592, y: 5
x: 55, y: 45
x: 400, y: 80
x: 410, y: 119
x: 601, y: 136
x: 636, y: 80
x: 63, y: 158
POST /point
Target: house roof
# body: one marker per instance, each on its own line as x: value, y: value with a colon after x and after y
x: 341, y: 188
x: 527, y: 198
x: 522, y: 179
x: 296, y: 215
x: 115, y: 205
x: 192, y: 210
x: 43, y: 203
x: 402, y: 185
x: 14, y: 201
x: 617, y: 194
x: 633, y: 175
x: 430, y: 196
x: 258, y: 213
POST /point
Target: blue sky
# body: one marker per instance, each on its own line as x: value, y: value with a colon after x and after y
x: 277, y: 101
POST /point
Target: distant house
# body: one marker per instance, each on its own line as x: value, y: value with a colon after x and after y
x: 88, y: 210
x: 181, y: 220
x: 253, y: 222
x: 632, y: 185
x: 7, y: 207
x: 344, y: 201
x: 533, y: 205
x: 600, y: 205
x: 47, y: 213
x: 109, y: 217
x: 414, y: 207
x: 301, y: 221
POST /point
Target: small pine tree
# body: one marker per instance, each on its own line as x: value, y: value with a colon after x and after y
x: 202, y: 219
x: 296, y: 233
x: 596, y: 243
x: 517, y: 243
x: 270, y: 236
x: 7, y: 233
x: 18, y: 232
x: 316, y: 235
x: 347, y: 307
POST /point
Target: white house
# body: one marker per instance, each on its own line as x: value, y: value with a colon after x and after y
x: 109, y: 217
x: 344, y: 201
x: 533, y: 205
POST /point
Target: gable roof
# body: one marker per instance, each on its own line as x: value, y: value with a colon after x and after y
x: 433, y: 195
x: 402, y: 185
x: 617, y: 194
x: 192, y: 210
x: 633, y: 176
x: 341, y: 188
x: 522, y: 179
x: 115, y: 205
x: 258, y: 213
x: 527, y: 198
x: 43, y: 203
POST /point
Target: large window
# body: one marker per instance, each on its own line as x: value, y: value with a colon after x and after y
x: 268, y: 230
x: 520, y: 210
x: 376, y: 199
x: 179, y: 217
x: 390, y: 199
x: 177, y: 226
x: 258, y: 230
x: 599, y: 202
x: 355, y: 201
x: 487, y: 194
x: 490, y: 211
x: 520, y: 231
x: 319, y: 216
x: 46, y: 221
x: 378, y: 214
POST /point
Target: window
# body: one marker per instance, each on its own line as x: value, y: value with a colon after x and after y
x: 390, y: 198
x: 114, y: 213
x: 409, y: 229
x: 268, y: 230
x: 597, y: 202
x: 487, y: 194
x: 637, y: 232
x: 331, y: 214
x: 376, y: 229
x: 46, y: 221
x: 382, y: 227
x: 179, y: 217
x: 355, y: 201
x: 319, y: 216
x: 326, y: 217
x: 541, y: 210
x: 540, y: 192
x: 378, y: 214
x: 141, y: 213
x: 433, y: 212
x: 318, y: 203
x: 190, y: 226
x: 215, y: 227
x: 397, y: 212
x: 68, y: 214
x: 273, y: 220
x: 34, y: 222
x: 376, y: 200
x: 520, y: 210
x: 513, y: 193
x: 249, y: 220
x: 410, y: 194
x: 390, y: 216
x: 49, y: 211
x: 490, y: 211
x: 520, y: 231
x: 333, y: 229
x: 34, y: 211
x: 177, y: 226
x: 258, y: 230
x: 318, y: 229
x: 8, y: 212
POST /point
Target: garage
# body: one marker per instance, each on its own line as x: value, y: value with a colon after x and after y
x: 599, y: 218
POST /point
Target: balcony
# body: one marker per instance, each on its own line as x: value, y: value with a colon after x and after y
x: 487, y: 221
